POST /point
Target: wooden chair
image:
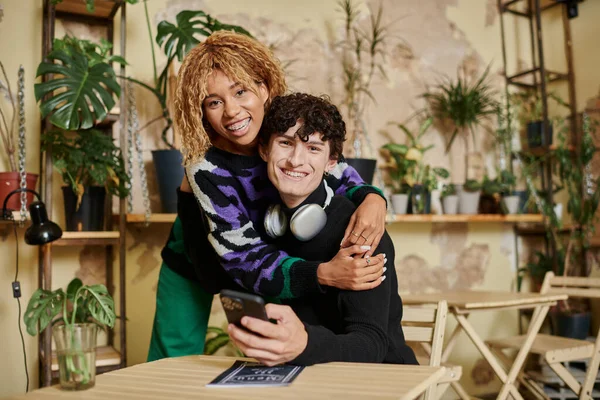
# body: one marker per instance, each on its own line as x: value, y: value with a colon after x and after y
x: 555, y: 349
x: 425, y: 325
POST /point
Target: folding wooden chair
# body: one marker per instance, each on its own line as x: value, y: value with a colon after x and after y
x: 425, y: 325
x: 555, y: 349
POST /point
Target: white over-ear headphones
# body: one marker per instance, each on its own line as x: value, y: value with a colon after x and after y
x: 306, y: 222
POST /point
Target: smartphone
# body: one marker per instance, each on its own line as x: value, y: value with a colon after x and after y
x: 237, y: 304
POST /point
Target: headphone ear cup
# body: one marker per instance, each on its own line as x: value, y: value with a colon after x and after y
x: 276, y: 222
x: 308, y: 221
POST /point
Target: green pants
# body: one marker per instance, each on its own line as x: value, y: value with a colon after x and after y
x: 181, y: 318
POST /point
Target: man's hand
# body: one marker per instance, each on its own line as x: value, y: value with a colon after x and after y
x: 280, y: 343
x: 349, y: 271
x: 367, y: 224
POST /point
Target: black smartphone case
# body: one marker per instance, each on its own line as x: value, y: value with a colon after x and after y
x: 237, y: 304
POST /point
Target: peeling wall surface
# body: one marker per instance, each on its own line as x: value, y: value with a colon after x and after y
x: 430, y: 39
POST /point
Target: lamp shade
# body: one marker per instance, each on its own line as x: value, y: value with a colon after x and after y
x: 42, y: 230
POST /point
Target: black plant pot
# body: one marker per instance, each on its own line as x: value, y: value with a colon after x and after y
x: 489, y: 205
x: 169, y: 174
x: 523, y: 198
x: 365, y: 168
x: 90, y: 214
x: 535, y: 135
x: 575, y: 326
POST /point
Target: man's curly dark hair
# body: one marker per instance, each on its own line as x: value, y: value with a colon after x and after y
x: 317, y: 114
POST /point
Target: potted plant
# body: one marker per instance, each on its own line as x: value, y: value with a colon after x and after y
x: 423, y: 180
x: 11, y: 180
x: 468, y: 197
x: 510, y: 201
x: 536, y: 270
x: 91, y: 165
x: 574, y: 171
x: 74, y: 317
x: 449, y: 198
x: 406, y: 158
x: 176, y: 40
x: 362, y: 54
x: 530, y: 115
x: 489, y: 201
x: 463, y: 103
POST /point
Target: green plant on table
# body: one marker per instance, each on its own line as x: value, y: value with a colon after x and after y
x: 79, y: 304
x: 90, y: 158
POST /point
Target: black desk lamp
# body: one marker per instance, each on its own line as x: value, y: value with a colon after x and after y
x: 42, y: 230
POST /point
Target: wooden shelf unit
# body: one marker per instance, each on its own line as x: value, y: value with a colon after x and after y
x: 113, y: 238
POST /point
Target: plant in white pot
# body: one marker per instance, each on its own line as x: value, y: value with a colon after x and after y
x: 74, y: 317
x: 449, y: 198
x: 510, y: 201
x: 468, y: 202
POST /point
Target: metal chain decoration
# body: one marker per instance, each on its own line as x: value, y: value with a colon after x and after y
x: 21, y: 101
x: 134, y: 144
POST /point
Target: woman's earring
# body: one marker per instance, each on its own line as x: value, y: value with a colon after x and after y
x: 326, y: 174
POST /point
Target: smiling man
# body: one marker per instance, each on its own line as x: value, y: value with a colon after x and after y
x: 301, y: 140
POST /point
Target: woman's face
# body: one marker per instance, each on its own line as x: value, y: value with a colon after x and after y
x: 234, y: 113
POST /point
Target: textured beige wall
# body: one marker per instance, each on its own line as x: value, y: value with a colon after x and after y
x: 442, y: 34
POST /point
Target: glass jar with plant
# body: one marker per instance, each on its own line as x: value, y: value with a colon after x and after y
x: 74, y: 317
x: 449, y: 198
x: 91, y: 165
x: 464, y: 103
x: 423, y: 179
x: 468, y: 197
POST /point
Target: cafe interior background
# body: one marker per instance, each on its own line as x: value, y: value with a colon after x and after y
x: 428, y: 40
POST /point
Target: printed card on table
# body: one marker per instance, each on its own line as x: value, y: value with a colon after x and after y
x: 252, y: 374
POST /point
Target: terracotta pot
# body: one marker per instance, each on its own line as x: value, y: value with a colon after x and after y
x: 10, y: 181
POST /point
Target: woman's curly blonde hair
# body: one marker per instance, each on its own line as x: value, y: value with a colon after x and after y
x: 243, y: 59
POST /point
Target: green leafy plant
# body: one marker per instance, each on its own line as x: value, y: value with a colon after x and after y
x: 466, y: 104
x: 530, y: 107
x: 88, y: 159
x: 449, y: 189
x: 177, y: 40
x: 472, y: 185
x: 79, y: 304
x: 362, y: 57
x: 83, y: 86
x: 536, y: 269
x: 574, y: 171
x: 507, y: 182
x: 406, y: 157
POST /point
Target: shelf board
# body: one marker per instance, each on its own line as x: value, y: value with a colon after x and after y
x: 98, y: 238
x: 106, y: 356
x: 104, y: 9
x: 466, y: 218
x: 16, y: 217
x: 154, y: 218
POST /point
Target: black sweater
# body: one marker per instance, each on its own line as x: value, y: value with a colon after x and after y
x: 343, y: 325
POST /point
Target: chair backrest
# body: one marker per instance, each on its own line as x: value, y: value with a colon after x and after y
x: 571, y: 286
x: 426, y: 324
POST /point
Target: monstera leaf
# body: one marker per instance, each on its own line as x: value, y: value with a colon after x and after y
x: 100, y: 304
x: 179, y: 39
x: 78, y: 93
x: 43, y: 306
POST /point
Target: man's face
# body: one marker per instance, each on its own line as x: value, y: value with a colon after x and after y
x: 295, y: 167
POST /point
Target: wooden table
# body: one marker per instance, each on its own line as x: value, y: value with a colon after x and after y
x: 186, y: 377
x: 461, y: 303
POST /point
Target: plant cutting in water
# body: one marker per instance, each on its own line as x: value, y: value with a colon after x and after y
x: 80, y: 304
